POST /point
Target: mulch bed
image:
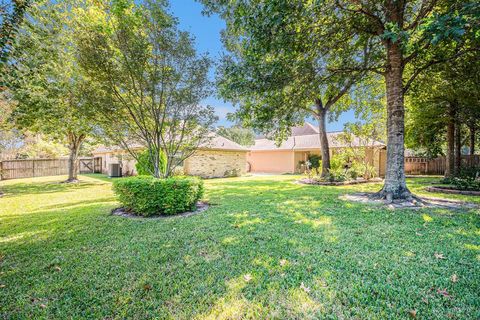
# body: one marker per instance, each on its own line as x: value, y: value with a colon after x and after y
x: 122, y: 212
x: 413, y: 203
x: 452, y: 190
x: 342, y: 183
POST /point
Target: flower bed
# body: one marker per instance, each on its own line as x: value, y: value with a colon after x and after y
x: 452, y: 190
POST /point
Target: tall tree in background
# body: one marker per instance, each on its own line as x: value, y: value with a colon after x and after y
x: 407, y: 37
x: 150, y: 78
x: 47, y: 82
x: 281, y: 67
x: 443, y: 102
x: 242, y: 136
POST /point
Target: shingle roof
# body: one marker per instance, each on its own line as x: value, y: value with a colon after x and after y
x: 310, y: 141
x: 216, y: 143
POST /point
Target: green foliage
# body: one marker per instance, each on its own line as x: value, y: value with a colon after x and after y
x: 144, y: 164
x: 147, y: 196
x: 242, y: 136
x: 315, y: 161
x: 467, y: 179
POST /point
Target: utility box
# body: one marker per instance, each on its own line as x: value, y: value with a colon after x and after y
x: 114, y: 170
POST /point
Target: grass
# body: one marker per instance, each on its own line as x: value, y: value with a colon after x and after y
x: 266, y: 248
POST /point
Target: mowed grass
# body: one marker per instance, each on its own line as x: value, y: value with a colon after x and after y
x: 266, y: 248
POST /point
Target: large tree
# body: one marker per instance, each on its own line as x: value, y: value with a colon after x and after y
x: 281, y: 68
x: 46, y: 80
x: 150, y: 78
x: 407, y: 36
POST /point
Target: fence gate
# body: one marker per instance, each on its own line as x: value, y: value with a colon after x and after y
x: 86, y: 165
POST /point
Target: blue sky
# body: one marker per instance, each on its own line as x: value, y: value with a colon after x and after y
x: 207, y: 33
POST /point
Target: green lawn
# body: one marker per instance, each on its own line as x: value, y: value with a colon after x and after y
x: 266, y: 248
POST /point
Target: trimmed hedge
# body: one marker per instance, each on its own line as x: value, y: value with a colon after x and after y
x: 147, y: 196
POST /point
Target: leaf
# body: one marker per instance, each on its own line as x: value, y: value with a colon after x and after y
x: 443, y: 292
x: 454, y: 278
x: 57, y: 268
x: 413, y: 313
x: 439, y: 255
x: 283, y: 262
x: 147, y: 287
x: 304, y: 288
x: 247, y: 277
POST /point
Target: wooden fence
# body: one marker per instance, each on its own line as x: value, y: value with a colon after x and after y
x: 437, y: 166
x: 29, y: 168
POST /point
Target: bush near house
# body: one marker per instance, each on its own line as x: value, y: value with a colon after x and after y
x: 148, y: 196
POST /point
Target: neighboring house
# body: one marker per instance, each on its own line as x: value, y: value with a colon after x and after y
x: 266, y: 157
x: 219, y: 158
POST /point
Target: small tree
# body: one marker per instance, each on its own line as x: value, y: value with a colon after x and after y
x: 46, y: 81
x: 151, y: 79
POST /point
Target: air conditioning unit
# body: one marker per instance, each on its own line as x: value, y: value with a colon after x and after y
x: 114, y: 170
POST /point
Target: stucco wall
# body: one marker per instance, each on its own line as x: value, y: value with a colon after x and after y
x: 128, y: 163
x: 216, y: 164
x: 272, y: 161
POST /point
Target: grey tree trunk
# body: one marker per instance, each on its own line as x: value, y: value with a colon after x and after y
x: 450, y: 162
x: 458, y: 148
x: 395, y: 186
x: 74, y: 144
x: 322, y: 132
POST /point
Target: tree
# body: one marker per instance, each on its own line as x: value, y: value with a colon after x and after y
x: 242, y: 136
x: 405, y: 36
x: 444, y: 100
x: 281, y: 69
x: 150, y: 78
x: 46, y: 81
x: 11, y: 17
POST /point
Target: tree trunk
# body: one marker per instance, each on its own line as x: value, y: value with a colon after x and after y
x: 450, y: 163
x: 322, y: 132
x: 472, y: 140
x: 74, y: 143
x: 458, y: 148
x: 395, y: 186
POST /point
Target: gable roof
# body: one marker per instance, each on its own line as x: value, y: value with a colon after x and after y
x: 310, y: 141
x: 216, y: 143
x: 304, y: 130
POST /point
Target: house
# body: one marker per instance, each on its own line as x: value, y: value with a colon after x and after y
x: 266, y: 157
x: 218, y: 158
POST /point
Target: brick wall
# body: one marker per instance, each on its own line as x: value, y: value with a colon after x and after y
x: 215, y: 164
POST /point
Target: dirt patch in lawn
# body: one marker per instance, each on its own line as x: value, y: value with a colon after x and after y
x: 412, y: 203
x: 452, y: 190
x: 122, y: 212
x: 336, y: 183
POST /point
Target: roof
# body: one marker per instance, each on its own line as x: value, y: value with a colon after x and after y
x: 216, y: 143
x: 309, y: 141
x: 304, y: 130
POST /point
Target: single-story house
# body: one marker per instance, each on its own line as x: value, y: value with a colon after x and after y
x: 267, y: 157
x: 218, y: 158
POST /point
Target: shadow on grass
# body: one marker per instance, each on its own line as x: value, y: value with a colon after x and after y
x: 269, y: 249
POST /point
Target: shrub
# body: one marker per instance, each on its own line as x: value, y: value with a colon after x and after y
x: 315, y: 161
x: 144, y: 164
x: 147, y: 196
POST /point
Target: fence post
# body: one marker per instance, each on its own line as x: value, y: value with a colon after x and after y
x: 1, y: 170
